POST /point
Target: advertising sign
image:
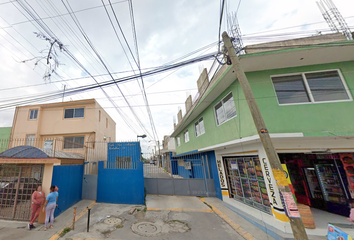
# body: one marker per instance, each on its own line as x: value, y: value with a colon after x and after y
x: 234, y: 165
x: 289, y: 204
x: 335, y: 233
x: 187, y: 165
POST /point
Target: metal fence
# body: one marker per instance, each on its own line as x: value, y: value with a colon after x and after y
x: 120, y: 165
x: 191, y: 166
x: 18, y: 182
x: 188, y: 175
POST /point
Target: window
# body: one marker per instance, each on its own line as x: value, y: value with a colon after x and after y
x: 106, y: 122
x: 74, y: 142
x: 74, y: 113
x: 33, y: 114
x: 30, y: 140
x: 199, y: 127
x: 310, y: 87
x: 225, y: 109
x: 99, y: 115
x: 186, y: 136
x: 178, y: 141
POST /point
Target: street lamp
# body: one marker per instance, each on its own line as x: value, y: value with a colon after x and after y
x: 140, y: 136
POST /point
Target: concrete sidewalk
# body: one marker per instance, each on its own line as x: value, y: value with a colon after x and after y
x: 13, y: 230
x: 257, y: 228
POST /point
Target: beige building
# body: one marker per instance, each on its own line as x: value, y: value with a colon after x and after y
x: 66, y: 126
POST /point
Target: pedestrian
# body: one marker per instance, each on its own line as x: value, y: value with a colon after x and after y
x: 38, y: 198
x: 49, y: 207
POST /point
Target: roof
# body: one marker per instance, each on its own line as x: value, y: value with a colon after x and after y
x: 61, y: 104
x: 33, y: 152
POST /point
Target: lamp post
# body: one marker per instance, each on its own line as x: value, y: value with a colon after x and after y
x: 140, y: 136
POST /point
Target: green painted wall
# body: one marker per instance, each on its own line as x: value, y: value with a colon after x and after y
x: 315, y: 119
x: 4, y: 138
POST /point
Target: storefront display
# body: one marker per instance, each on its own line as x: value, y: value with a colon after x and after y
x: 246, y: 182
x: 298, y: 180
x: 330, y: 183
x: 348, y: 163
x: 314, y: 186
x: 326, y: 178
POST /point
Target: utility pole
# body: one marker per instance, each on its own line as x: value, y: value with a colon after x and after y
x: 296, y: 223
x: 160, y: 159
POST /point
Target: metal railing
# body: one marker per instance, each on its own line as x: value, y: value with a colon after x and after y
x: 120, y: 165
x: 194, y: 166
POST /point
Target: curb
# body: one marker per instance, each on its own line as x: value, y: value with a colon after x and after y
x: 235, y: 226
x: 70, y: 224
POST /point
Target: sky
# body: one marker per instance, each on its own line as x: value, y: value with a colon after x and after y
x: 165, y: 31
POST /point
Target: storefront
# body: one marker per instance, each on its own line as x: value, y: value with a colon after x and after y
x: 246, y: 183
x: 323, y: 181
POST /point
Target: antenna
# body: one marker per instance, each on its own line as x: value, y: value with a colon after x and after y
x: 333, y: 18
x: 235, y: 32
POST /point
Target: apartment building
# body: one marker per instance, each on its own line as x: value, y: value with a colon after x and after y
x: 64, y: 126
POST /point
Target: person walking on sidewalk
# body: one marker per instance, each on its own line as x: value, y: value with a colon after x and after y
x: 49, y: 207
x: 38, y: 198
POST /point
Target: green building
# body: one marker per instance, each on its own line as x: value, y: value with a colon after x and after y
x: 304, y: 89
x: 5, y: 133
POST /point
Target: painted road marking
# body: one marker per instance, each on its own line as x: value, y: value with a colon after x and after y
x: 179, y: 209
x: 235, y: 226
x: 69, y: 224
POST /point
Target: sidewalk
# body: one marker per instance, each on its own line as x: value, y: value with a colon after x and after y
x: 259, y: 229
x: 14, y: 230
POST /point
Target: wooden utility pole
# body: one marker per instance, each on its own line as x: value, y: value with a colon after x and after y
x: 296, y: 223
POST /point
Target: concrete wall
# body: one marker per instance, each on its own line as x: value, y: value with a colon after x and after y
x: 46, y: 183
x: 281, y: 45
x: 122, y: 186
x: 69, y: 181
x: 313, y: 119
x: 102, y: 129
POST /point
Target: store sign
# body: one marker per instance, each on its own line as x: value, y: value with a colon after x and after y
x: 271, y: 185
x: 335, y: 233
x: 221, y: 174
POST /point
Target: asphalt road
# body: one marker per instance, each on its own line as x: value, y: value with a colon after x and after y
x: 165, y: 218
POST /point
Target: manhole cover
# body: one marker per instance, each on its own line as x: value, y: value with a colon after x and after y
x: 113, y: 221
x: 147, y: 229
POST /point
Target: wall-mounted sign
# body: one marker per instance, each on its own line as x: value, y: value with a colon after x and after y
x: 272, y: 188
x: 221, y: 174
x: 188, y: 165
